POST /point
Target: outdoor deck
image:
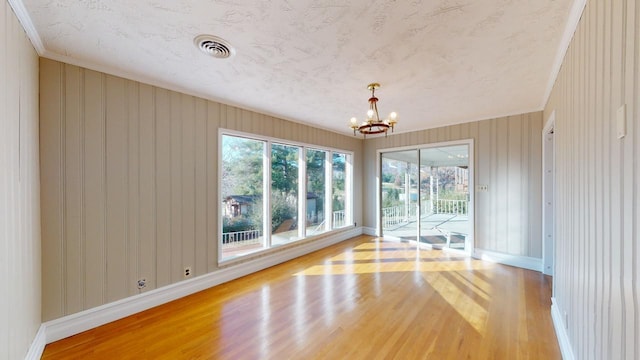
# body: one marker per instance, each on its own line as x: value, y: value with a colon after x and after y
x: 434, y: 229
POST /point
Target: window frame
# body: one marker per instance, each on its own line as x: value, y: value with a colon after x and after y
x: 302, y: 191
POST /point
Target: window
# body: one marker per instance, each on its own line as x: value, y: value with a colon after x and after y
x: 338, y: 189
x: 242, y: 190
x: 275, y: 193
x: 284, y: 193
x: 316, y: 189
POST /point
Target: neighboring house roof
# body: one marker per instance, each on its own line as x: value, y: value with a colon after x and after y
x: 242, y: 199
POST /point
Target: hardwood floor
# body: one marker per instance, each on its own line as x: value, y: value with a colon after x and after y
x: 361, y: 299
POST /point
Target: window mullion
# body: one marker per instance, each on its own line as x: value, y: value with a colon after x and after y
x: 302, y: 193
x: 328, y: 203
x: 348, y: 190
x: 266, y: 203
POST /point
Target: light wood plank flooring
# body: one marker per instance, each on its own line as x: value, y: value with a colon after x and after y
x: 361, y: 299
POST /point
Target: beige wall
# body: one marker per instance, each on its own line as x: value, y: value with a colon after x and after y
x: 129, y: 183
x: 597, y: 244
x: 507, y: 159
x: 19, y: 189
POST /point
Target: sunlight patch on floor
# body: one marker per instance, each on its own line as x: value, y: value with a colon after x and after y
x: 393, y: 266
x: 450, y: 275
x: 467, y: 307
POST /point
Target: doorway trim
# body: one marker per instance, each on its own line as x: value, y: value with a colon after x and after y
x: 548, y: 195
x: 470, y: 240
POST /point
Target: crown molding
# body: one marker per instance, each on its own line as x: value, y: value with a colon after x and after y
x: 27, y: 25
x: 570, y: 28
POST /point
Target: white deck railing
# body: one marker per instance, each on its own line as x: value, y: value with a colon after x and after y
x: 453, y: 207
x: 338, y: 219
x: 396, y: 215
x: 252, y: 237
x: 241, y: 238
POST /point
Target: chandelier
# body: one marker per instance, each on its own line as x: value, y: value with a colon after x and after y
x: 373, y: 125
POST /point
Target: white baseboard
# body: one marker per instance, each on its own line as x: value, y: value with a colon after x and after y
x: 524, y: 262
x: 561, y: 332
x: 37, y: 346
x: 369, y: 231
x: 76, y: 323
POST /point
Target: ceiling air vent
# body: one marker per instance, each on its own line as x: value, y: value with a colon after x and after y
x: 214, y: 46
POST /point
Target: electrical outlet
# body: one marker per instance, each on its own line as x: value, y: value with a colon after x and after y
x: 142, y: 283
x: 482, y: 188
x: 187, y: 271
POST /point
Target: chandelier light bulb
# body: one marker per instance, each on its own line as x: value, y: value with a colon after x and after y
x: 370, y: 114
x: 393, y: 115
x: 354, y: 121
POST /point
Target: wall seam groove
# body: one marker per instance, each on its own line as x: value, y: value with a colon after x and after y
x: 194, y: 256
x: 207, y: 187
x: 621, y: 189
x: 609, y: 152
x: 63, y: 202
x: 155, y: 186
x: 105, y: 191
x: 600, y: 100
x: 635, y: 116
x: 593, y: 169
x: 583, y: 176
x: 83, y: 210
x: 127, y: 206
x: 139, y: 151
x: 182, y: 179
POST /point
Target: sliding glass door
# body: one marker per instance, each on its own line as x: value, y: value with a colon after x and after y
x: 399, y: 174
x: 445, y: 184
x: 426, y: 195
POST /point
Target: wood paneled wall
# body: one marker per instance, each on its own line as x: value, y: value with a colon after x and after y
x: 508, y: 155
x: 19, y: 189
x: 129, y: 183
x: 597, y: 246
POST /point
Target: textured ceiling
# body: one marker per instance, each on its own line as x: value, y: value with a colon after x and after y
x: 439, y: 62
